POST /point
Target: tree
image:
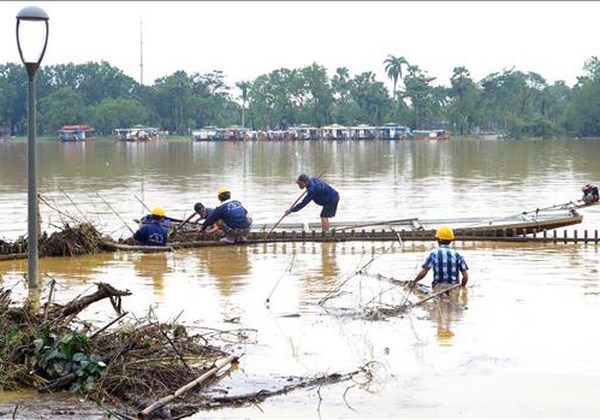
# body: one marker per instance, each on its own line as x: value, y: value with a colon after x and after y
x: 244, y: 87
x: 464, y: 96
x: 393, y: 68
x: 63, y: 107
x: 372, y: 98
x: 118, y: 113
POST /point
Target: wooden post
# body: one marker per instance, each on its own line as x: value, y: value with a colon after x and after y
x: 294, y: 236
x: 585, y: 236
x: 575, y: 235
x: 595, y: 235
x: 514, y: 232
x: 283, y: 236
x: 565, y: 235
x: 554, y: 236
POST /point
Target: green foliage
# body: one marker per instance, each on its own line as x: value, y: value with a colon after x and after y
x: 509, y: 101
x: 9, y: 371
x: 55, y: 357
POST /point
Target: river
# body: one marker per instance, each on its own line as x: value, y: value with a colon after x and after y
x: 519, y: 342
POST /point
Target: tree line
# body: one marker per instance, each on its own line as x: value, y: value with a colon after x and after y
x: 511, y: 102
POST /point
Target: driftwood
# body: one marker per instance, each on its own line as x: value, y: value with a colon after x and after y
x: 218, y: 365
x: 104, y: 291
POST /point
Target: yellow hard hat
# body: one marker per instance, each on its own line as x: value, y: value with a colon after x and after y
x: 158, y: 211
x: 223, y: 190
x: 445, y: 233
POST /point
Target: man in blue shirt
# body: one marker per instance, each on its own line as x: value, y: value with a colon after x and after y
x: 447, y: 264
x: 321, y: 193
x: 231, y: 217
x: 153, y: 233
x: 204, y: 213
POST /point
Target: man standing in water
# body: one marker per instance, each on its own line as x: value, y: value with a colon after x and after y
x: 321, y: 193
x: 446, y: 262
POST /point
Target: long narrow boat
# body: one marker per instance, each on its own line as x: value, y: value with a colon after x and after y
x: 512, y: 226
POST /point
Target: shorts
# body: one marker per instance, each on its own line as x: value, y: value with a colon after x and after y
x: 235, y: 231
x: 329, y: 209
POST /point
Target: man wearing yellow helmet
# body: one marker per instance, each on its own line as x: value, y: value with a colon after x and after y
x: 231, y: 217
x: 156, y: 211
x: 447, y: 264
x: 153, y: 233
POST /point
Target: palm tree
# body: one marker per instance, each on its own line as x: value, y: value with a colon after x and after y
x: 393, y: 67
x: 244, y: 86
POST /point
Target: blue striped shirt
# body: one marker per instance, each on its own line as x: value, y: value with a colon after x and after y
x: 446, y: 264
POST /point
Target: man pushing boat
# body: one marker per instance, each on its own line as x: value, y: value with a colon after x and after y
x: 231, y: 217
x: 321, y: 193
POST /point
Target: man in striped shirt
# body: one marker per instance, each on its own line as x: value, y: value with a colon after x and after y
x: 447, y: 264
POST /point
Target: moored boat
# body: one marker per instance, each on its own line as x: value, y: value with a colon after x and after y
x: 79, y: 132
x: 393, y: 131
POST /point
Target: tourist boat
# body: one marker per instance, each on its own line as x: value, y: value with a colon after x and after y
x: 75, y: 133
x: 363, y: 132
x: 393, y: 131
x: 430, y: 135
x: 208, y: 133
x: 139, y: 133
x: 335, y: 132
x: 304, y: 132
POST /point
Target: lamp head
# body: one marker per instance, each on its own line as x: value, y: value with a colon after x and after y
x: 32, y: 37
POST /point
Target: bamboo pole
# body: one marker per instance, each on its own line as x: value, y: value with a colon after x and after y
x: 436, y: 294
x: 218, y: 365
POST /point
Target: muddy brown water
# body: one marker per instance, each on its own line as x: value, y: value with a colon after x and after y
x: 519, y: 342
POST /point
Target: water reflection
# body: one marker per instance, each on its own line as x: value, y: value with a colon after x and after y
x: 447, y: 312
x: 229, y: 265
x: 152, y: 267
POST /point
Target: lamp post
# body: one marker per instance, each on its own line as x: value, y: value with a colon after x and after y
x: 32, y: 39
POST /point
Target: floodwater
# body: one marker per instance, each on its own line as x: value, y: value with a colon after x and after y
x: 521, y: 341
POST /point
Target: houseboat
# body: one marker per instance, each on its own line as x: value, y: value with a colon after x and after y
x: 208, y: 133
x: 304, y: 132
x: 75, y: 133
x: 430, y: 135
x: 335, y: 132
x: 393, y: 131
x: 235, y: 133
x: 363, y: 132
x: 139, y: 133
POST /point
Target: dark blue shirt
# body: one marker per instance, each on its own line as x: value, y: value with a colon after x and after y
x: 318, y: 191
x: 231, y: 212
x: 152, y: 234
x: 446, y: 263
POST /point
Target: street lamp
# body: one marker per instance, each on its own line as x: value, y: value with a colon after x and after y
x: 32, y: 39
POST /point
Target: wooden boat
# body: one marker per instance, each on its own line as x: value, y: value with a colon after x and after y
x: 526, y: 223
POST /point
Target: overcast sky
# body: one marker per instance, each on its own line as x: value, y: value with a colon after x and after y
x: 248, y: 38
